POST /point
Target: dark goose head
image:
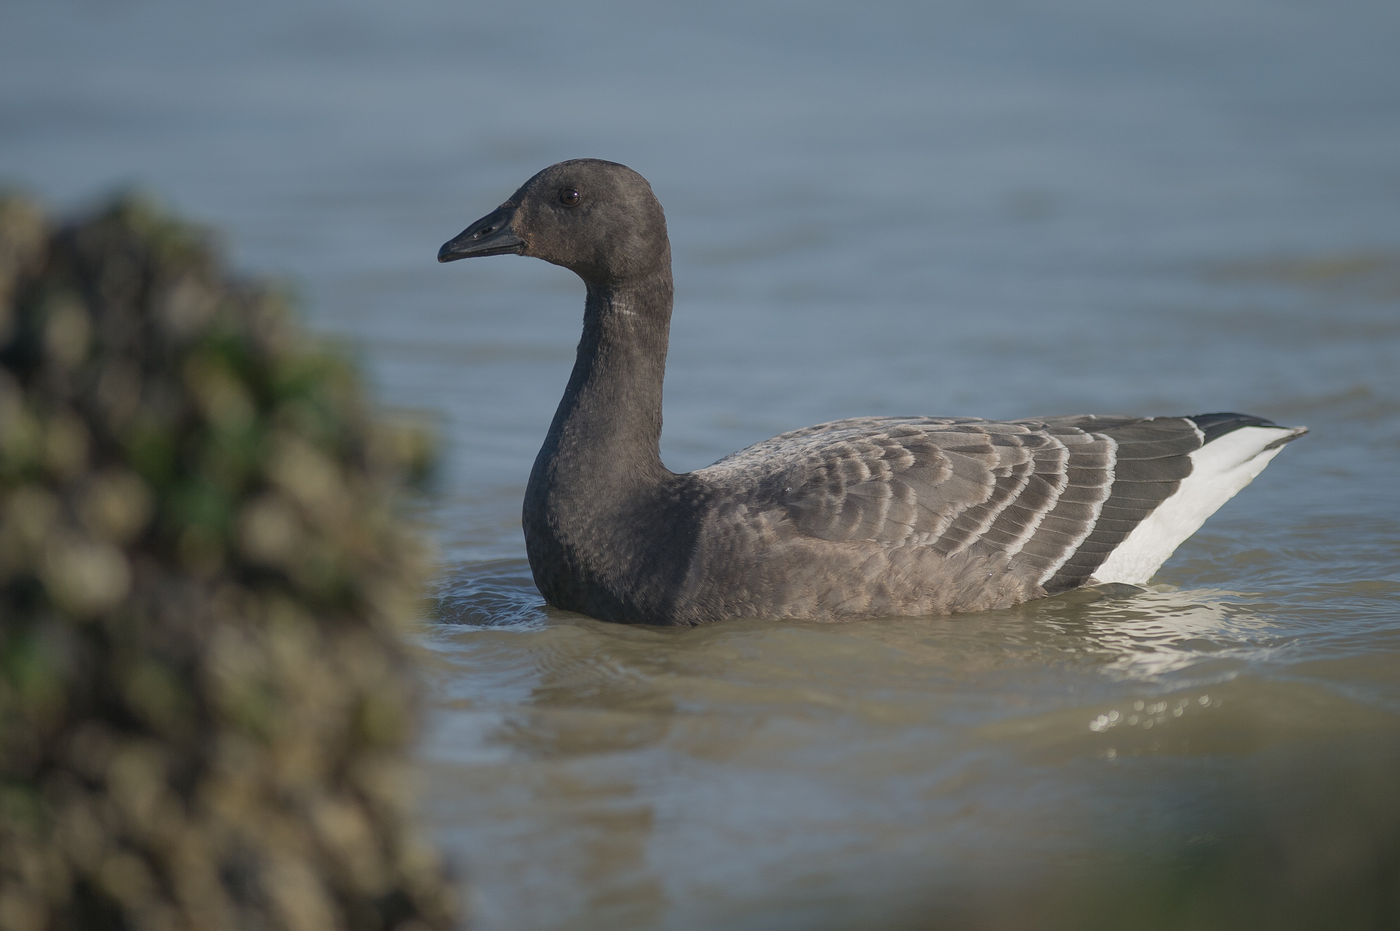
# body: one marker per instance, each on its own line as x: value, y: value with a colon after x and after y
x: 596, y: 218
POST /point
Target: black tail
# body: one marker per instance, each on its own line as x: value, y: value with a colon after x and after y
x: 1214, y: 426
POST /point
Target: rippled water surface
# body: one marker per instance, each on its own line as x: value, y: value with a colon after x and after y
x: 947, y: 208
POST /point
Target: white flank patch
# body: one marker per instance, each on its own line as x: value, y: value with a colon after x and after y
x: 1218, y: 470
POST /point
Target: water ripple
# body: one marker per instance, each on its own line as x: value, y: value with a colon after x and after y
x: 499, y: 594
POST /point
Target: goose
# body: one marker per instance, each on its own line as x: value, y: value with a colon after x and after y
x: 857, y: 518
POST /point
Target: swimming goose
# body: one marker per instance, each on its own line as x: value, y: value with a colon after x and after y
x: 867, y: 517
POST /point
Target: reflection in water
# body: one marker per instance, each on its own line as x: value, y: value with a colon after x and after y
x: 1094, y: 754
x: 1152, y: 633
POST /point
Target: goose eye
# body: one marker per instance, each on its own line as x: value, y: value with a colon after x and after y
x: 569, y: 197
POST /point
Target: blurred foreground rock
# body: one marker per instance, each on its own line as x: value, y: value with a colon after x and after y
x: 204, y: 695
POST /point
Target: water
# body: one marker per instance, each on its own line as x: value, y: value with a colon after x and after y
x: 947, y: 208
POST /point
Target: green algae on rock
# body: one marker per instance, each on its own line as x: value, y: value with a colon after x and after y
x: 205, y: 698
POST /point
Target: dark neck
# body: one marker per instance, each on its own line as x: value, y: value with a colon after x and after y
x: 609, y: 531
x: 607, y: 430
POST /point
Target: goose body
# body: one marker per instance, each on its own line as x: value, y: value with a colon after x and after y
x: 865, y: 517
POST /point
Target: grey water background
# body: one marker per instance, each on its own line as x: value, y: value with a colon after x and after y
x: 997, y: 209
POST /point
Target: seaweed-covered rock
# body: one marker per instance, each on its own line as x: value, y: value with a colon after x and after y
x: 204, y: 586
